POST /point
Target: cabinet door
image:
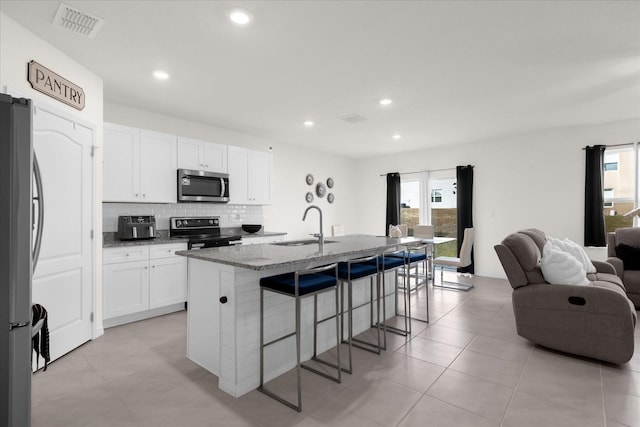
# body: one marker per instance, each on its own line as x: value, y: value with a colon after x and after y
x: 158, y: 167
x: 190, y: 154
x: 238, y: 175
x: 168, y: 281
x: 259, y: 171
x: 121, y: 162
x: 215, y: 157
x: 126, y: 288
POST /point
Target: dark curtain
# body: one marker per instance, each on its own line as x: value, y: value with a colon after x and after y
x: 393, y: 200
x: 594, y: 228
x: 464, y: 195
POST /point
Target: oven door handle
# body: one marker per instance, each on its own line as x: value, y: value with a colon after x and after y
x: 235, y: 242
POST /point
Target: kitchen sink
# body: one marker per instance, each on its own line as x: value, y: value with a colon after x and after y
x: 301, y: 242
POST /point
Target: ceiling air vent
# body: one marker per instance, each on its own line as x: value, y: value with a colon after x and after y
x: 77, y: 21
x: 353, y: 118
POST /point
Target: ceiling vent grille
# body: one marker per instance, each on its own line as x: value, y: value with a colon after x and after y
x: 77, y: 21
x: 353, y: 118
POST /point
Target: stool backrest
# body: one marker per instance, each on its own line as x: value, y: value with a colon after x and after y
x: 404, y: 230
x: 467, y: 245
x: 337, y: 230
x: 423, y: 231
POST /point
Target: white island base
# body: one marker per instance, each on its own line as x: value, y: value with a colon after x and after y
x: 223, y: 326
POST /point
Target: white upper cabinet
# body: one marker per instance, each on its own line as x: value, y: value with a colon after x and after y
x: 139, y: 165
x: 238, y: 161
x: 201, y: 155
x: 249, y: 176
x: 158, y: 167
x: 121, y: 164
x: 259, y: 188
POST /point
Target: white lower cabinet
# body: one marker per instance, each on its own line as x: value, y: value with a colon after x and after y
x: 167, y: 281
x: 126, y: 288
x: 140, y: 278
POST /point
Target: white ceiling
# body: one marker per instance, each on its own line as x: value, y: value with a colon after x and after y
x: 458, y: 71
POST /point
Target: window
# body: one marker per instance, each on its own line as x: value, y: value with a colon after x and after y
x: 430, y: 198
x: 608, y: 193
x: 620, y: 185
x: 410, y: 201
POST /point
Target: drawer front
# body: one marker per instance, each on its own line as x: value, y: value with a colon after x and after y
x: 166, y: 251
x: 125, y: 254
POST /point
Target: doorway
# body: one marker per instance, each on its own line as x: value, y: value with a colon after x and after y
x: 63, y: 278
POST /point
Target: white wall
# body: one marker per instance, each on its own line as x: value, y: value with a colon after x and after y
x: 533, y: 180
x: 19, y: 46
x: 290, y: 167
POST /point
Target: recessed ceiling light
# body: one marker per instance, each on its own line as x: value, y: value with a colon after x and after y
x: 386, y: 101
x: 239, y: 16
x: 396, y: 136
x: 160, y: 75
x: 308, y: 123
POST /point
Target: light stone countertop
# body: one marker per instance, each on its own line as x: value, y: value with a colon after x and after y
x: 109, y: 239
x: 269, y: 255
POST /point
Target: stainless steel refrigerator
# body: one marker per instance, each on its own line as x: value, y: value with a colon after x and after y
x: 18, y: 250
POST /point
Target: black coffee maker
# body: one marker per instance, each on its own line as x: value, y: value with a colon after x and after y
x: 139, y: 227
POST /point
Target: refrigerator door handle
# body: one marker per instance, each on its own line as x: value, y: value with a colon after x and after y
x: 39, y: 229
x: 13, y: 326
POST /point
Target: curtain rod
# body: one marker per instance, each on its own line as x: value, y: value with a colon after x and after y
x: 615, y: 145
x: 430, y: 170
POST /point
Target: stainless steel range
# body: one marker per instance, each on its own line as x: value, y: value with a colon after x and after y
x: 202, y: 232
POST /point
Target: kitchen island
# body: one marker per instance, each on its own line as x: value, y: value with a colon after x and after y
x: 223, y: 317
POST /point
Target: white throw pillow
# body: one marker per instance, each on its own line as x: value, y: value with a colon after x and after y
x: 561, y: 268
x: 574, y: 249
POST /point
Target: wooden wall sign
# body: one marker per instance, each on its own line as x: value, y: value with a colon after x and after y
x: 46, y: 81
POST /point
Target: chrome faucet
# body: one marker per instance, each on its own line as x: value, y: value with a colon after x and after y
x: 319, y: 235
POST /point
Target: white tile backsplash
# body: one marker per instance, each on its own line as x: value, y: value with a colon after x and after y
x: 230, y: 215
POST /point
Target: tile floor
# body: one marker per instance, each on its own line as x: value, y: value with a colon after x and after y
x: 466, y: 368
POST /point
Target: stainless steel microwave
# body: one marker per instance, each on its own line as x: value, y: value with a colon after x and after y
x: 201, y: 186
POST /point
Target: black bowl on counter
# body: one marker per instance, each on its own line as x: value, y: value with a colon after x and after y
x: 251, y: 228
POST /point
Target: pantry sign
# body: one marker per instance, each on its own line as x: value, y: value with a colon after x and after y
x: 46, y: 81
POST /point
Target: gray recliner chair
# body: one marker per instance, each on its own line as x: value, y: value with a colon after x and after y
x: 627, y: 261
x: 596, y: 320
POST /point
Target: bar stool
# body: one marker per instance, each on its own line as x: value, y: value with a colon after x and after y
x: 413, y: 256
x: 299, y: 284
x: 386, y: 262
x: 349, y: 271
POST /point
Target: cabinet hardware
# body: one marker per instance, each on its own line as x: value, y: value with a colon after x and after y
x: 223, y: 300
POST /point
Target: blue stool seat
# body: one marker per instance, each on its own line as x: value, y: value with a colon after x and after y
x: 410, y: 257
x: 389, y: 262
x: 307, y: 284
x: 357, y: 270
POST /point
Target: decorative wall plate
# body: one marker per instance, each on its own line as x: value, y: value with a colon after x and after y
x: 330, y: 182
x: 321, y: 190
x: 309, y: 179
x: 309, y: 197
x: 330, y: 197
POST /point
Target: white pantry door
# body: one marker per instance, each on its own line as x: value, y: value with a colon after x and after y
x: 62, y: 280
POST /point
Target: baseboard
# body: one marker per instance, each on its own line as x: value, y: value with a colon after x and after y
x: 142, y: 315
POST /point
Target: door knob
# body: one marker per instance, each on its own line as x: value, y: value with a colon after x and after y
x: 223, y: 300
